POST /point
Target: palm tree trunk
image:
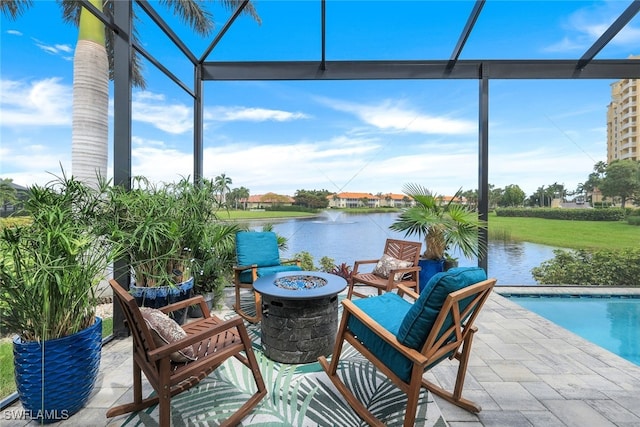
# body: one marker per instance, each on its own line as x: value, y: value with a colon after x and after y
x: 90, y: 128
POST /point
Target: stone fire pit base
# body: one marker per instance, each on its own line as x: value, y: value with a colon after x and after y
x: 298, y: 330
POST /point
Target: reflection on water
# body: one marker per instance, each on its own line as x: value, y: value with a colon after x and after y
x: 347, y: 238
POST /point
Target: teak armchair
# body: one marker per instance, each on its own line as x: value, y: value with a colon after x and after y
x: 257, y: 255
x: 213, y: 341
x: 404, y: 340
x: 398, y: 265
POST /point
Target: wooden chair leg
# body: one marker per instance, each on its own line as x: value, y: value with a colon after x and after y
x: 455, y: 397
x: 257, y: 301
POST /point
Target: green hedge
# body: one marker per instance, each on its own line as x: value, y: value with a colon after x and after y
x: 594, y: 268
x: 611, y: 214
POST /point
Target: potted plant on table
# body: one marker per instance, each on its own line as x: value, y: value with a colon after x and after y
x: 49, y: 272
x: 444, y: 225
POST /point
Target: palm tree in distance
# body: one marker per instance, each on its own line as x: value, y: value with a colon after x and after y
x: 223, y: 185
x: 93, y: 66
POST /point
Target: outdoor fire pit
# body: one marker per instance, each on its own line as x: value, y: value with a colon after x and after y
x: 299, y: 314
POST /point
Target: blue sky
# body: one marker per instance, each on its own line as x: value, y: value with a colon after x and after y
x: 360, y: 136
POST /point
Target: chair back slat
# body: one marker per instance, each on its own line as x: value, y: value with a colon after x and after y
x: 403, y: 250
x: 456, y: 318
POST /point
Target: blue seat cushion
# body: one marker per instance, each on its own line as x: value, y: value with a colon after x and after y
x: 257, y: 247
x: 388, y: 310
x: 246, y: 277
x: 419, y: 320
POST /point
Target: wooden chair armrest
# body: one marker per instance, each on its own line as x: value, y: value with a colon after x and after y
x: 182, y: 304
x: 363, y: 261
x: 408, y: 291
x: 244, y: 267
x: 380, y: 331
x: 291, y: 261
x: 165, y: 350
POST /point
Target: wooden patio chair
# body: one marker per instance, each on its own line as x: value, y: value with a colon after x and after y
x: 404, y: 340
x: 174, y: 367
x: 397, y: 265
x: 257, y: 255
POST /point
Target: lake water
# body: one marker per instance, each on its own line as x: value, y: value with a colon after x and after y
x: 347, y: 238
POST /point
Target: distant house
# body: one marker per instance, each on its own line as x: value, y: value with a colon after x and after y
x: 268, y: 200
x: 395, y: 200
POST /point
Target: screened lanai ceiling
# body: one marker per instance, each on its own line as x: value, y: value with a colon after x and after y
x: 335, y: 39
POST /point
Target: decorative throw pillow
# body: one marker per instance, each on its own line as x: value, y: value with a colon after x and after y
x: 387, y: 263
x: 165, y: 330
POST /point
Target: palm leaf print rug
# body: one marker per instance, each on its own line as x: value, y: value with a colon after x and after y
x: 298, y: 395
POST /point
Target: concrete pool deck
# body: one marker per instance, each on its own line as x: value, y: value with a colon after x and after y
x: 524, y: 371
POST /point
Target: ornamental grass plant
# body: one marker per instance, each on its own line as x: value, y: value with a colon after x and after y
x: 50, y: 268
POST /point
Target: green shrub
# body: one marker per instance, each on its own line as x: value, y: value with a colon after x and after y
x: 611, y: 214
x: 593, y: 268
x: 633, y: 220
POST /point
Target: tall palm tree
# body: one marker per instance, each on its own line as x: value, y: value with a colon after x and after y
x: 93, y: 66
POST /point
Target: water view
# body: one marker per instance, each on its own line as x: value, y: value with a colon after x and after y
x: 347, y: 238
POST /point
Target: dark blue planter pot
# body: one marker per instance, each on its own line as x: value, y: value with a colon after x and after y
x: 161, y: 296
x: 55, y: 378
x: 430, y: 267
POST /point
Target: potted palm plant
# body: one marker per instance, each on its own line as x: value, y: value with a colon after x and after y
x: 49, y: 272
x: 444, y: 225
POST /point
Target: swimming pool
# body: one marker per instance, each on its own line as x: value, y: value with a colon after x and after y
x: 612, y: 322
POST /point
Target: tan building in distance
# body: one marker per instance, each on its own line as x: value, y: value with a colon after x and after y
x: 622, y: 120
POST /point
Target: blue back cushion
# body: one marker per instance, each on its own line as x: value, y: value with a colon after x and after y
x: 247, y: 277
x: 419, y: 320
x: 388, y: 310
x: 257, y: 247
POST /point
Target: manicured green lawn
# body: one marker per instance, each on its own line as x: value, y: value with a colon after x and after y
x: 568, y: 234
x: 7, y: 383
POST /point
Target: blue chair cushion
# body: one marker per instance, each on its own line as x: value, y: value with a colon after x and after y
x: 246, y: 277
x: 419, y: 320
x: 388, y: 310
x: 257, y: 247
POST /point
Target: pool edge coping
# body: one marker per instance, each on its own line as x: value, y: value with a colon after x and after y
x: 550, y: 290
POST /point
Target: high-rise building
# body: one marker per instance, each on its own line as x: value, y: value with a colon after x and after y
x: 622, y: 120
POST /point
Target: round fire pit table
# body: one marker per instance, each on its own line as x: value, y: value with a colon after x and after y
x: 299, y: 314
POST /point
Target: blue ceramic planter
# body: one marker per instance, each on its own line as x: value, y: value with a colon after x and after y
x: 55, y: 378
x: 430, y: 267
x: 160, y: 296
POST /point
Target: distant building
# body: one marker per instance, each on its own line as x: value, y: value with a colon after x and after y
x: 353, y: 200
x: 622, y: 120
x: 263, y: 201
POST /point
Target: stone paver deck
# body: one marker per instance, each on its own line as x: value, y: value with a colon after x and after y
x: 524, y: 371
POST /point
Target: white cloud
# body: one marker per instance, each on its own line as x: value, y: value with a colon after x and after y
x: 586, y: 25
x: 394, y: 116
x: 44, y: 102
x: 55, y: 49
x: 14, y: 32
x: 177, y: 118
x: 226, y: 114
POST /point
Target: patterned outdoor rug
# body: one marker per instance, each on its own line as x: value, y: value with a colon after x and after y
x: 298, y: 395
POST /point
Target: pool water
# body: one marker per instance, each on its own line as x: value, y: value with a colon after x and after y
x: 611, y: 322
